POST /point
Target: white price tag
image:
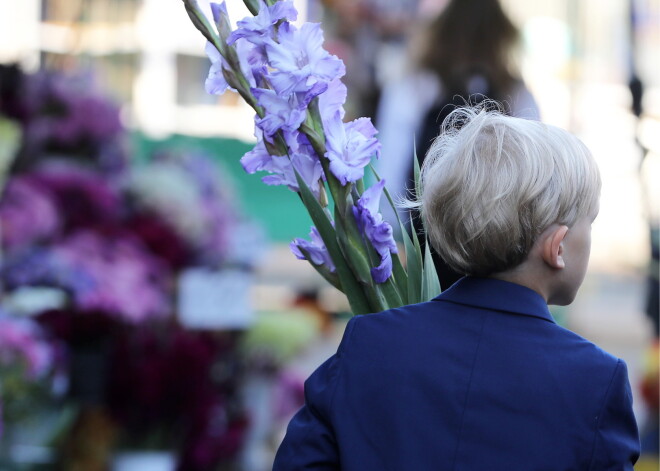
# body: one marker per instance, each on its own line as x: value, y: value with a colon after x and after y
x: 215, y: 299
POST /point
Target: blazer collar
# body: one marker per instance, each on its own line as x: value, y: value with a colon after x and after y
x: 489, y: 293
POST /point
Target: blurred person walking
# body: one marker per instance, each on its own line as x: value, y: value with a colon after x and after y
x: 465, y: 54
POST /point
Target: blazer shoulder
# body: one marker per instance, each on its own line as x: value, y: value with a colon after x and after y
x: 581, y: 351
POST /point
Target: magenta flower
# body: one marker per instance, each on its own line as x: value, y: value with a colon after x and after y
x: 377, y: 231
x: 318, y: 253
x: 350, y: 147
x: 122, y: 277
x: 28, y: 214
x: 22, y: 342
x: 299, y: 60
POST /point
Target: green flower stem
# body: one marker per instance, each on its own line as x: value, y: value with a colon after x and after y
x: 399, y: 272
x: 329, y: 276
x: 349, y: 284
x: 234, y: 77
x: 253, y: 6
x: 414, y: 265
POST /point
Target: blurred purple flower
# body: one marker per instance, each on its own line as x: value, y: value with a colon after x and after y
x: 299, y: 60
x: 350, y: 147
x: 376, y: 230
x: 28, y: 214
x: 84, y: 197
x: 160, y: 239
x: 180, y: 383
x: 65, y: 115
x: 126, y: 279
x: 318, y: 253
x: 22, y: 343
x: 189, y: 194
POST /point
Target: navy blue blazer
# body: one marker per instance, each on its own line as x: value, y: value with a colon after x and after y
x: 481, y: 378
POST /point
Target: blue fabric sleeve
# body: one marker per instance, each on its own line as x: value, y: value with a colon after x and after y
x: 616, y: 444
x: 309, y: 443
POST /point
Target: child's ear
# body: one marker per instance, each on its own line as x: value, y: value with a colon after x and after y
x: 553, y: 247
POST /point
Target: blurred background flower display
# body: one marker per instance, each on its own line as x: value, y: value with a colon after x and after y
x: 94, y: 245
x: 151, y: 311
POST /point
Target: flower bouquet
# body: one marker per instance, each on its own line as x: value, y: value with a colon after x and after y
x: 295, y: 89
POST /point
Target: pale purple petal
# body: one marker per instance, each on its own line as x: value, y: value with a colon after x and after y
x: 215, y: 84
x: 259, y: 29
x: 308, y: 167
x: 221, y: 19
x: 350, y: 147
x: 299, y: 60
x: 377, y: 231
x: 316, y: 249
x: 257, y: 159
x: 281, y: 113
x: 332, y: 100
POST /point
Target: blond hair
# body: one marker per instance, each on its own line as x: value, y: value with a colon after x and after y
x: 491, y: 184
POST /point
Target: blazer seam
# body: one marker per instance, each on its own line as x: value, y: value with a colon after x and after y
x: 549, y: 319
x: 467, y: 393
x: 601, y: 412
x: 350, y: 327
x: 348, y: 334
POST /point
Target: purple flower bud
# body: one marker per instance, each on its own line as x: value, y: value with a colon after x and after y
x: 376, y: 230
x: 318, y: 253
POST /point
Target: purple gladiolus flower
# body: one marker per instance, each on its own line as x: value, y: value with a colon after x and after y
x: 308, y: 167
x: 257, y: 159
x: 221, y: 18
x: 260, y: 28
x: 252, y: 62
x: 299, y: 60
x: 285, y: 113
x: 350, y: 147
x: 215, y: 84
x: 332, y: 100
x: 376, y: 230
x: 318, y: 253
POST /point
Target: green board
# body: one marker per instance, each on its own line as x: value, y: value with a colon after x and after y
x: 277, y: 208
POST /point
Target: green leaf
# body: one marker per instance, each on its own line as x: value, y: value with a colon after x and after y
x: 414, y: 265
x: 430, y: 282
x: 353, y: 250
x: 391, y: 293
x: 329, y: 276
x: 253, y: 6
x: 400, y: 275
x: 349, y: 284
x: 416, y: 172
x: 387, y: 194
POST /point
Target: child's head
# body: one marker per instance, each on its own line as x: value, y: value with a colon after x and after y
x: 491, y: 184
